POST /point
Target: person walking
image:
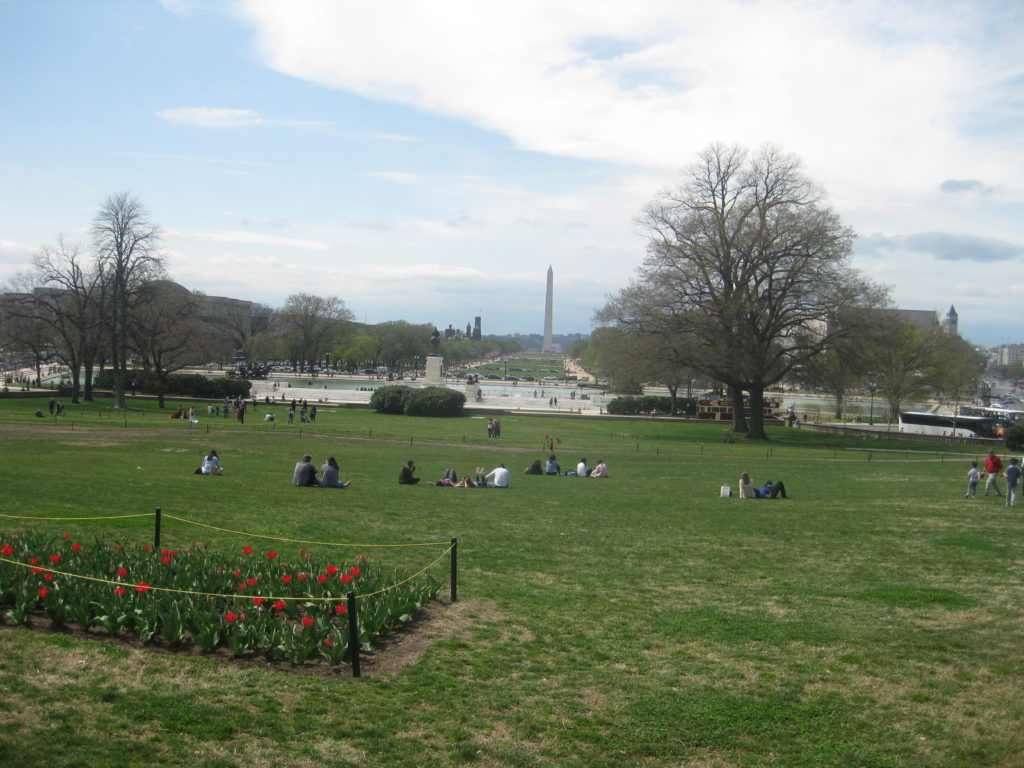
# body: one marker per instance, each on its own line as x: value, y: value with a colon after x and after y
x: 1012, y: 476
x: 994, y: 467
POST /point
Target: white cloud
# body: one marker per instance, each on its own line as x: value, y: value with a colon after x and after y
x: 859, y: 91
x: 251, y: 238
x: 212, y: 117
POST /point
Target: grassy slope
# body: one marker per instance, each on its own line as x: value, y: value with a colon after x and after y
x: 872, y: 620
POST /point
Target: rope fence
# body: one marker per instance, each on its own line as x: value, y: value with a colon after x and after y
x: 450, y: 551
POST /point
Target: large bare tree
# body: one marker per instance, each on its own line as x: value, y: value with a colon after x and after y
x: 311, y: 323
x: 747, y: 259
x: 127, y: 246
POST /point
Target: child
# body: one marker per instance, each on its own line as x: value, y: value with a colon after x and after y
x: 973, y: 476
x: 1012, y: 475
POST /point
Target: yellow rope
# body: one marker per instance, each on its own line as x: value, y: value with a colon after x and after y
x: 300, y: 541
x: 230, y: 596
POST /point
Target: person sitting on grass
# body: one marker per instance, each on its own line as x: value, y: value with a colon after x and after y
x: 497, y: 477
x: 534, y: 469
x: 769, y: 490
x: 747, y: 489
x: 601, y: 470
x: 552, y: 467
x: 772, y: 490
x: 330, y: 475
x: 405, y: 474
x: 305, y: 472
x: 211, y: 464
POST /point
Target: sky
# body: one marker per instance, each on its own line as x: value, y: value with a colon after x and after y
x: 429, y: 160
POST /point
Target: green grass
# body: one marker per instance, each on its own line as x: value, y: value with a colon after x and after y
x: 871, y: 620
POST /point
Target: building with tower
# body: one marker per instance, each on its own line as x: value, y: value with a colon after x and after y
x: 949, y: 324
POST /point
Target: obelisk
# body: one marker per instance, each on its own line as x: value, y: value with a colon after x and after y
x: 548, y: 345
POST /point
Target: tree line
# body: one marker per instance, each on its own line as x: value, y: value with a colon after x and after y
x: 110, y: 305
x: 747, y: 284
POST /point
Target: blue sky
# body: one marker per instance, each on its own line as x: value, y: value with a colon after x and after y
x: 428, y: 160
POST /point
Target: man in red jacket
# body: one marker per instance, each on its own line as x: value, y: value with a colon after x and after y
x: 994, y: 466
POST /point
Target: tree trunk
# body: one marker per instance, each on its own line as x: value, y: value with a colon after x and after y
x: 839, y: 406
x: 673, y: 390
x: 88, y: 381
x: 76, y: 385
x: 756, y: 414
x: 739, y: 421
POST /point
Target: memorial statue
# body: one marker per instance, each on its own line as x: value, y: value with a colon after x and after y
x: 435, y: 342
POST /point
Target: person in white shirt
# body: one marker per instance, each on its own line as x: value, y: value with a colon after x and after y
x: 497, y: 477
x: 211, y: 464
x: 581, y: 468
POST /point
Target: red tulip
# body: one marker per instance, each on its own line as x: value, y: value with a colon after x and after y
x: 75, y: 547
x: 7, y: 549
x: 247, y: 550
x: 279, y: 605
x: 307, y: 621
x: 271, y: 554
x: 257, y: 601
x: 142, y: 587
x: 43, y: 591
x: 355, y: 571
x: 287, y: 578
x: 322, y: 578
x: 230, y: 616
x: 346, y: 578
x: 54, y: 558
x: 119, y: 591
x: 331, y: 570
x: 122, y: 572
x: 340, y: 609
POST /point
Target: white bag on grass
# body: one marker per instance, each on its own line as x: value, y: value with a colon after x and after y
x: 726, y: 492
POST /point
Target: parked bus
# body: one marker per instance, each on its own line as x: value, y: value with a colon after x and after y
x: 1004, y: 417
x: 917, y: 423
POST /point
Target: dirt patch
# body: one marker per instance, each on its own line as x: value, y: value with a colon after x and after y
x: 400, y: 648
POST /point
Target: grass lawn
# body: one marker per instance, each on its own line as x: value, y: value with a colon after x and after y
x: 871, y: 620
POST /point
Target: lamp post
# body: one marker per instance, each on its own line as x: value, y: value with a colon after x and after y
x: 871, y: 417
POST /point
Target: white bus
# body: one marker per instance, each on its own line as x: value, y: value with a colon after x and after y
x: 919, y: 423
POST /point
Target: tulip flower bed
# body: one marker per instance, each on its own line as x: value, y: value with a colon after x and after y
x: 252, y: 602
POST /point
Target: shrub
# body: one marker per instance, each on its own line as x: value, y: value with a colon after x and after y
x: 434, y: 401
x: 1015, y: 437
x: 390, y: 399
x: 184, y: 385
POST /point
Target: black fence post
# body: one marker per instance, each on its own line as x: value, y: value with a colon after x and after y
x: 353, y: 635
x: 156, y: 532
x: 455, y: 569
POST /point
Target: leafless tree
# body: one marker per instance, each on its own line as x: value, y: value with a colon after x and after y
x: 747, y: 259
x: 127, y: 253
x: 310, y: 323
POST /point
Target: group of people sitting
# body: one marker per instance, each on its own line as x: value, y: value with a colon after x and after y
x: 496, y: 478
x: 769, y: 490
x: 552, y: 467
x: 330, y: 474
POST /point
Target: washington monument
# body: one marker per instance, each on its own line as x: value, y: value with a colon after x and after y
x: 548, y: 345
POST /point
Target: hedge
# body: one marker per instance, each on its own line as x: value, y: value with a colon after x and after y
x: 182, y: 385
x: 425, y: 401
x: 647, y: 403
